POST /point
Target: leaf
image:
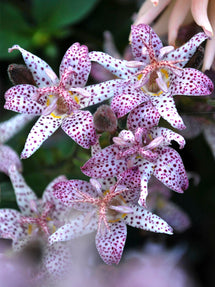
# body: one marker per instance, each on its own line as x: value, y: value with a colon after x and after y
x: 13, y: 29
x: 55, y: 14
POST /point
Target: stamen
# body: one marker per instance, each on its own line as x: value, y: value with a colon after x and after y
x: 134, y: 64
x: 48, y: 110
x: 96, y: 184
x: 122, y: 208
x: 161, y: 83
x: 154, y: 143
x: 84, y: 93
x: 51, y: 75
x: 165, y: 50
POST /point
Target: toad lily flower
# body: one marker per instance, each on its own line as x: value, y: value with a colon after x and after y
x: 177, y: 14
x: 58, y: 101
x: 36, y: 220
x: 146, y: 149
x: 157, y: 74
x: 107, y: 209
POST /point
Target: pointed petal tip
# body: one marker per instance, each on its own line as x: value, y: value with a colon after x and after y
x: 14, y: 47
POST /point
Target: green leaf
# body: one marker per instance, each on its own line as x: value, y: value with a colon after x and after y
x: 53, y: 14
x: 13, y: 29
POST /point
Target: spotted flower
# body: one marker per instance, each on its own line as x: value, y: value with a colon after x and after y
x: 106, y: 208
x: 146, y: 149
x: 35, y: 222
x: 58, y: 101
x: 156, y: 74
x: 177, y: 14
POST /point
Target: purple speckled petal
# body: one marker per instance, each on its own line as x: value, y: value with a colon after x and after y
x: 76, y: 59
x: 106, y: 182
x: 142, y: 218
x: 79, y: 126
x: 187, y: 50
x: 146, y: 170
x: 115, y: 66
x: 168, y: 136
x: 166, y: 108
x: 8, y: 157
x: 192, y: 82
x: 48, y: 196
x: 174, y: 215
x: 169, y: 169
x: 12, y: 126
x: 9, y: 224
x: 38, y: 67
x: 19, y: 99
x: 104, y: 164
x: 131, y: 178
x: 57, y: 260
x: 103, y: 91
x: 142, y: 33
x: 76, y: 228
x: 43, y: 128
x: 127, y: 101
x: 24, y: 194
x: 144, y: 116
x: 67, y: 191
x: 110, y: 245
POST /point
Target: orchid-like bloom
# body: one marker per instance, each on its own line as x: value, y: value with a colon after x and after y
x: 58, y: 101
x: 176, y: 14
x: 156, y: 74
x: 146, y: 149
x: 106, y: 208
x: 36, y: 221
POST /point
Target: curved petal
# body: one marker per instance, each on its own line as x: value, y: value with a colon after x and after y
x: 76, y: 59
x: 192, y: 82
x: 166, y: 108
x: 67, y: 191
x: 57, y: 260
x: 21, y: 99
x: 146, y: 169
x: 76, y: 228
x: 168, y: 136
x: 10, y: 227
x: 40, y: 69
x: 187, y: 50
x: 79, y: 126
x: 143, y: 116
x: 101, y: 92
x: 174, y: 215
x: 176, y: 19
x: 48, y: 196
x: 104, y: 164
x: 199, y: 11
x: 131, y: 178
x: 144, y: 33
x: 43, y: 128
x: 169, y: 169
x: 142, y: 218
x: 24, y: 194
x: 127, y: 101
x: 115, y: 66
x: 8, y: 157
x: 110, y: 245
x: 12, y: 126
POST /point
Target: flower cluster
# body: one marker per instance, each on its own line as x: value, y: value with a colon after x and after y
x: 117, y: 192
